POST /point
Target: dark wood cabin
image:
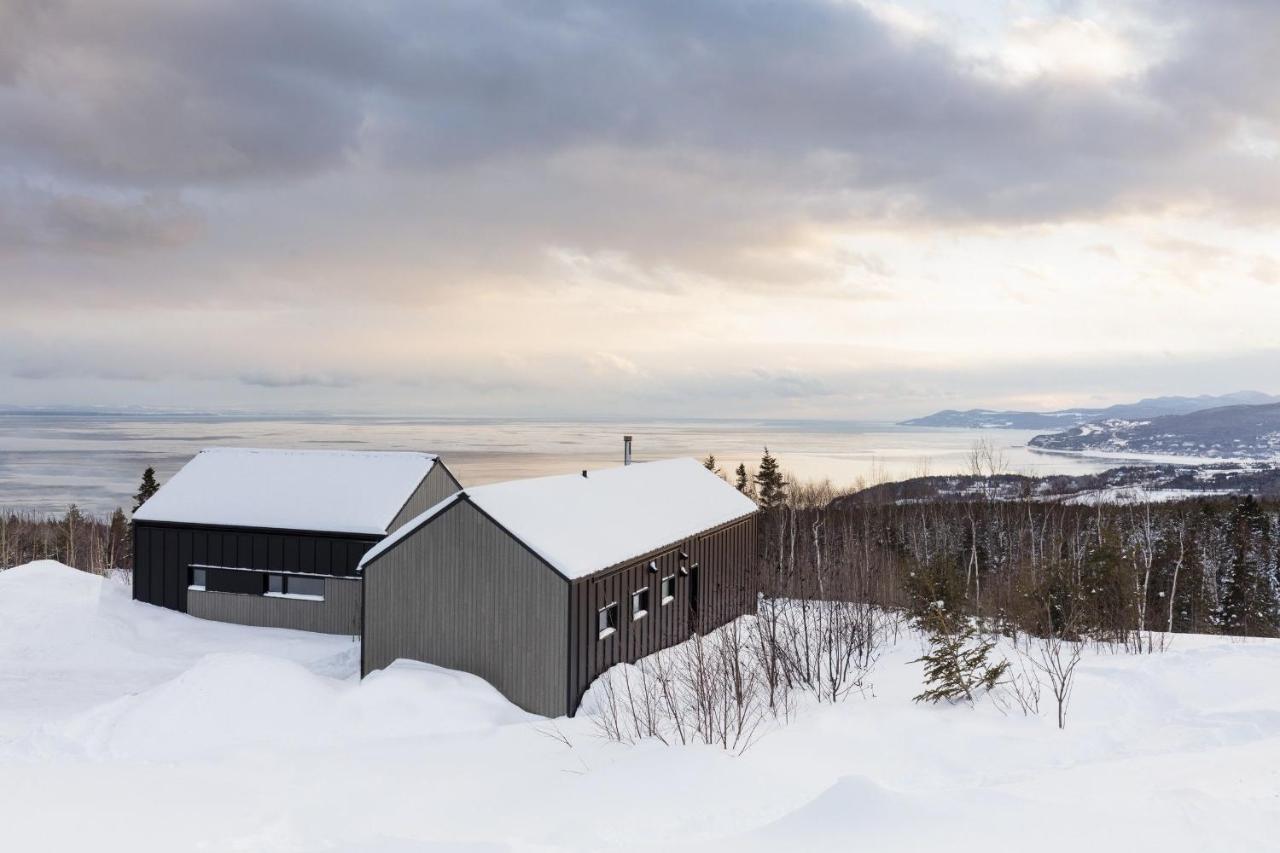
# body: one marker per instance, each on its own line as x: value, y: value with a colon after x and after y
x: 273, y: 537
x: 541, y: 585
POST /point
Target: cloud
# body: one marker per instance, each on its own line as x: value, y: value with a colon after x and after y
x: 813, y: 96
x: 269, y: 379
x: 315, y: 192
x: 76, y: 222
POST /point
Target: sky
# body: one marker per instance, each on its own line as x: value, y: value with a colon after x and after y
x: 809, y: 209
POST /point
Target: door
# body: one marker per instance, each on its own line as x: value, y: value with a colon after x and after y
x: 694, y: 590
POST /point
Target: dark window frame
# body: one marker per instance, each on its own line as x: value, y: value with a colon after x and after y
x: 668, y: 590
x: 279, y: 585
x: 607, y: 620
x: 640, y: 603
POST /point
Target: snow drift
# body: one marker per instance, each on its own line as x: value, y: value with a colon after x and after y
x: 125, y: 727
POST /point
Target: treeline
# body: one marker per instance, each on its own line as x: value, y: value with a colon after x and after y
x: 82, y: 541
x: 1112, y: 572
x: 77, y: 539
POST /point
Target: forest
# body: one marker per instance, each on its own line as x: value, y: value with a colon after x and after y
x: 1112, y: 571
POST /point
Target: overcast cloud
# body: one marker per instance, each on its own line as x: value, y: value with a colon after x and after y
x: 818, y: 208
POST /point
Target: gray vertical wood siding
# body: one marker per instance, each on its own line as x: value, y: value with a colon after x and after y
x: 462, y: 593
x: 726, y: 558
x: 339, y: 613
x: 435, y: 487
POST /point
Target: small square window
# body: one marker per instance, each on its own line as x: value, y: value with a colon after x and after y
x: 640, y: 603
x: 607, y: 619
x: 668, y: 589
x: 199, y: 579
x: 275, y: 584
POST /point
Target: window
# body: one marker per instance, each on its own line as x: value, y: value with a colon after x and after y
x: 199, y: 579
x: 668, y: 589
x: 640, y: 603
x: 607, y: 619
x: 295, y: 586
x: 308, y: 587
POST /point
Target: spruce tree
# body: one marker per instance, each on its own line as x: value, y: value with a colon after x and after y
x: 957, y: 664
x: 710, y: 464
x: 1251, y: 598
x: 148, y: 488
x: 118, y: 540
x: 770, y: 486
x: 742, y: 482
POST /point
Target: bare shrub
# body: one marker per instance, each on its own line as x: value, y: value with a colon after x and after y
x: 1056, y: 657
x: 726, y: 688
x: 1021, y: 688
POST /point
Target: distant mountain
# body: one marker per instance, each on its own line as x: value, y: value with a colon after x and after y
x: 1238, y: 432
x: 1152, y: 407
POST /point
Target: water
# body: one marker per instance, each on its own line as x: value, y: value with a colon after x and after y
x: 49, y: 461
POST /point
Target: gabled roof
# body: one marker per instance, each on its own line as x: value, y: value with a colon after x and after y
x: 580, y: 525
x: 332, y: 491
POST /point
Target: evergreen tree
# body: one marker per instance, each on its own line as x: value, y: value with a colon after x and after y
x: 770, y: 486
x: 1250, y: 598
x: 67, y: 545
x: 118, y: 541
x: 710, y: 464
x: 742, y: 482
x: 148, y: 488
x: 957, y: 664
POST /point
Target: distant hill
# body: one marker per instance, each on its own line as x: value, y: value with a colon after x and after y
x: 1152, y: 407
x: 1125, y: 484
x: 1239, y: 432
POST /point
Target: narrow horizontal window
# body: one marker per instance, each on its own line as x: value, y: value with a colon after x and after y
x: 309, y: 587
x: 640, y: 603
x: 607, y: 620
x: 668, y: 589
x: 290, y: 586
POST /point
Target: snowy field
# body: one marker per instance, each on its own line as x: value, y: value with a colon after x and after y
x: 124, y: 727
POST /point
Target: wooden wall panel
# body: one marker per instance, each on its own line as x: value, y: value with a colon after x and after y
x: 339, y: 613
x: 460, y: 592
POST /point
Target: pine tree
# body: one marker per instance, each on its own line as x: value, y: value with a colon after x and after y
x: 71, y: 523
x: 118, y: 540
x: 710, y: 464
x: 742, y: 482
x: 957, y: 664
x: 1250, y: 599
x: 770, y: 486
x: 148, y: 488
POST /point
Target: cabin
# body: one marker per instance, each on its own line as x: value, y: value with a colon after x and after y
x: 273, y: 538
x: 541, y: 585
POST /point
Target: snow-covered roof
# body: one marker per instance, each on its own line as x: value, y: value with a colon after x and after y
x: 581, y: 525
x: 335, y: 491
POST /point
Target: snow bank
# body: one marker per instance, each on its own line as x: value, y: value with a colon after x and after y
x: 70, y: 640
x: 230, y: 702
x: 131, y: 728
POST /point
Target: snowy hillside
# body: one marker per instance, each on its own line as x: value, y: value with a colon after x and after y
x: 127, y: 727
x: 1230, y: 432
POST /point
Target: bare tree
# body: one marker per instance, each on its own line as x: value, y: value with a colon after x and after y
x: 1057, y: 657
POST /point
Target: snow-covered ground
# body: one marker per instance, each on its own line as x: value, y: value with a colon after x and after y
x: 126, y: 727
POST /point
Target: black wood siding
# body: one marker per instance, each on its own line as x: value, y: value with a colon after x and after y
x: 162, y: 553
x: 726, y: 559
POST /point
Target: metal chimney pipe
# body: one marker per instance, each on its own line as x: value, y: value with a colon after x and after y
x: 626, y: 450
